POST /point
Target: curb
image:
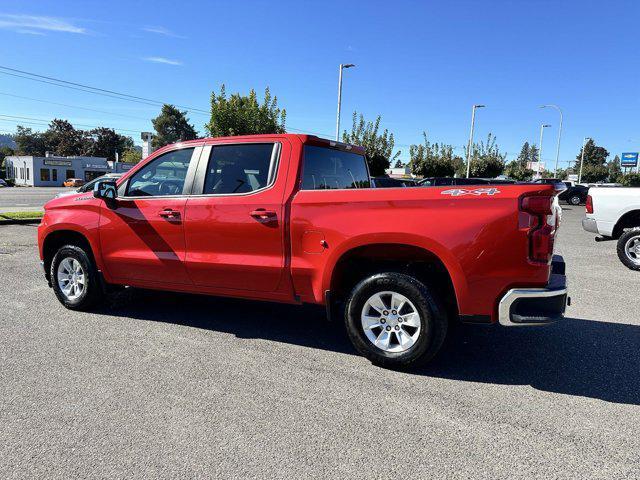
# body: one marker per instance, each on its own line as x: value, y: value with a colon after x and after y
x: 20, y: 221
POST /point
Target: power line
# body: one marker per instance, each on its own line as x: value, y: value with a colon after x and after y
x: 96, y: 90
x: 113, y: 94
x: 73, y: 106
x: 16, y: 119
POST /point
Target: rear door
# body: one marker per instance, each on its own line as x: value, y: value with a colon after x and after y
x: 235, y: 221
x: 143, y: 238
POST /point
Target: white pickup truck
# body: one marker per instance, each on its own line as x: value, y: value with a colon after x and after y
x: 614, y: 213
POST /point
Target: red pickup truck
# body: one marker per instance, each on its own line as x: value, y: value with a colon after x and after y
x: 293, y: 218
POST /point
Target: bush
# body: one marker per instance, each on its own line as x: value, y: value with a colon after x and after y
x: 631, y: 180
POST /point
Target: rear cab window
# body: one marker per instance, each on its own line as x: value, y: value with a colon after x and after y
x: 325, y: 168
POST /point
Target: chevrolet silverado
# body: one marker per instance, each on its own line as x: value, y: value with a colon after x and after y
x: 293, y: 218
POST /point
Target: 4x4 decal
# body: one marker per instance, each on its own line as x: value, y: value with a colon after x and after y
x: 457, y: 192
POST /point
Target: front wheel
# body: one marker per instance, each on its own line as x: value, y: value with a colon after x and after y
x: 629, y: 248
x: 75, y: 278
x: 395, y: 320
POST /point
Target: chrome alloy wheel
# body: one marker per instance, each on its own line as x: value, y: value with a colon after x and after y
x: 71, y: 278
x: 390, y: 321
x: 632, y: 249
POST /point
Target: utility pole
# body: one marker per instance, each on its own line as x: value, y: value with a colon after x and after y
x: 473, y: 121
x: 555, y: 171
x: 342, y: 67
x: 584, y: 142
x: 542, y: 127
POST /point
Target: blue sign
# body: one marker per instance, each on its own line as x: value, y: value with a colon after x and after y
x: 629, y: 159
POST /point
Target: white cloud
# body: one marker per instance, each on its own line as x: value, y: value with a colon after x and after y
x: 36, y: 25
x: 29, y: 32
x: 164, y: 60
x: 161, y: 31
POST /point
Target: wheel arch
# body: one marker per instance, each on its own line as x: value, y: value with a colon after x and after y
x: 360, y: 260
x: 64, y: 236
x: 630, y: 219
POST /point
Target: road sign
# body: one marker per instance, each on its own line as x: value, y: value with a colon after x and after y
x: 629, y: 159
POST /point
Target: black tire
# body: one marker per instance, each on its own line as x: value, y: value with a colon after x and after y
x: 92, y: 292
x: 575, y: 200
x: 433, y: 320
x: 624, y: 257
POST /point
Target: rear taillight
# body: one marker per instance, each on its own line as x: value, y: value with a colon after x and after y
x: 589, y: 204
x: 542, y: 228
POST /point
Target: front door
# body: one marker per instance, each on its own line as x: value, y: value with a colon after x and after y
x: 234, y: 221
x: 143, y: 238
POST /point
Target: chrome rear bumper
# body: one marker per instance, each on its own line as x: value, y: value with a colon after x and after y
x: 536, y: 306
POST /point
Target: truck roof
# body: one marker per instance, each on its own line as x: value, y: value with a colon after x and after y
x: 304, y: 138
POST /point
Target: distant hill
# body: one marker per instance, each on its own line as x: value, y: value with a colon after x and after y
x: 7, y: 141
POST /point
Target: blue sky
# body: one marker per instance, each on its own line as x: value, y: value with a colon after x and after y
x: 421, y: 65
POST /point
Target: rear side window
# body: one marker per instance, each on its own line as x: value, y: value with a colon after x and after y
x: 240, y: 168
x: 326, y: 168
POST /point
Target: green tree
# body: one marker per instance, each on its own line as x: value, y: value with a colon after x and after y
x: 631, y: 180
x: 378, y: 146
x: 171, y: 126
x: 486, y: 159
x: 594, y: 173
x: 534, y: 153
x: 61, y: 138
x: 595, y: 158
x: 615, y: 170
x: 524, y: 155
x: 131, y: 155
x: 593, y: 154
x: 29, y: 142
x: 399, y: 164
x: 433, y: 159
x: 104, y: 142
x: 4, y: 152
x: 516, y: 171
x: 244, y: 115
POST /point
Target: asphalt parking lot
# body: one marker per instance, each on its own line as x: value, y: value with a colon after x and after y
x: 183, y: 386
x: 16, y: 199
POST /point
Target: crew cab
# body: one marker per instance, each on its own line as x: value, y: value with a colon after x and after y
x: 614, y: 214
x: 293, y: 218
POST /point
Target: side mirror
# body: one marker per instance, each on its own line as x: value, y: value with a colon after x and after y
x: 107, y: 190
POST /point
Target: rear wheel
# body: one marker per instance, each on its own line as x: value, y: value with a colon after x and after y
x: 575, y: 200
x: 395, y: 321
x: 629, y: 248
x: 75, y: 278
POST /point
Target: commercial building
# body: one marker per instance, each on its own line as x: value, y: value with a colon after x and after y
x: 52, y: 171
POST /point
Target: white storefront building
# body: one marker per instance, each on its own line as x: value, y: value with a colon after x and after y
x: 52, y: 171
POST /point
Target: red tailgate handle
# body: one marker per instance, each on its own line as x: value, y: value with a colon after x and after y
x: 169, y: 213
x: 263, y: 215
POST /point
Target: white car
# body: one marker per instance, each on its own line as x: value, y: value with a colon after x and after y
x: 614, y: 213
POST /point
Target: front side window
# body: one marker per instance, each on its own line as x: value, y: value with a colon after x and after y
x: 327, y: 168
x: 165, y: 175
x: 240, y: 168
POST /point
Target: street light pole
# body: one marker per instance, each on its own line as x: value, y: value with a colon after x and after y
x: 555, y: 171
x: 342, y: 66
x: 584, y: 142
x: 542, y: 127
x: 473, y: 121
